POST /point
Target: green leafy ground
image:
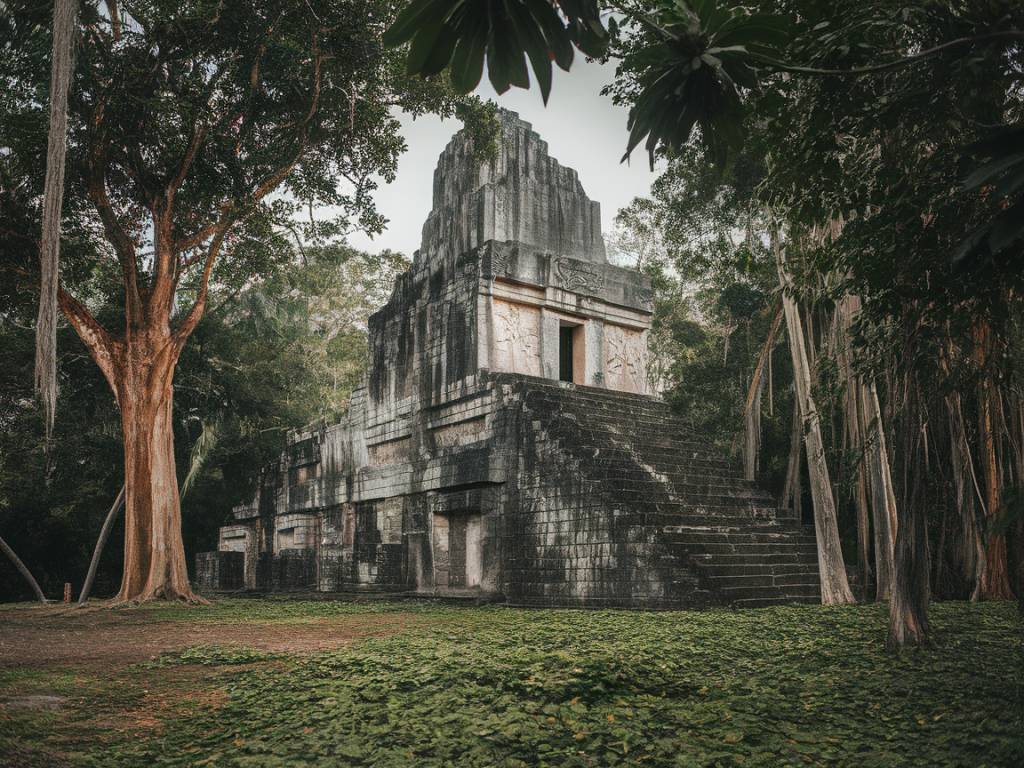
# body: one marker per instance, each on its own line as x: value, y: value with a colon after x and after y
x: 506, y: 687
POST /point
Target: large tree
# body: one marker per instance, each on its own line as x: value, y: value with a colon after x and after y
x: 196, y: 131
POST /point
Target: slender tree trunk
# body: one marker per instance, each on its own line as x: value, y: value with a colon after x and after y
x: 834, y: 585
x: 863, y: 530
x: 846, y: 310
x: 752, y: 435
x: 883, y: 497
x: 968, y: 493
x: 752, y: 407
x: 23, y: 570
x: 792, y: 487
x: 994, y: 578
x: 101, y: 542
x: 908, y: 606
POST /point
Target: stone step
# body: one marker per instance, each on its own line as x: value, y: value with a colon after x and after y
x: 768, y: 602
x: 730, y: 595
x: 795, y: 557
x: 718, y: 570
x: 743, y: 549
x: 724, y: 538
x: 777, y: 535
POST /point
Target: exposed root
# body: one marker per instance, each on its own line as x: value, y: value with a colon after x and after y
x: 188, y: 597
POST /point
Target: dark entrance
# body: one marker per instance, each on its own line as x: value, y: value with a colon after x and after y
x: 565, y: 356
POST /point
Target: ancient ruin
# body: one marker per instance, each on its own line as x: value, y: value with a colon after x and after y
x: 505, y: 443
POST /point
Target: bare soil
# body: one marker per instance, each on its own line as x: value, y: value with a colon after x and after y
x: 98, y: 637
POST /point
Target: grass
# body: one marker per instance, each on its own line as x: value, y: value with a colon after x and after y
x: 506, y: 687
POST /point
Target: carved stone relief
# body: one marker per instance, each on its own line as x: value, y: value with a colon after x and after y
x: 576, y: 275
x: 502, y: 257
x: 392, y: 452
x: 463, y: 433
x: 391, y: 520
x: 625, y: 359
x: 516, y: 338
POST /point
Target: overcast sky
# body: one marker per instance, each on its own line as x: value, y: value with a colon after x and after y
x: 583, y: 129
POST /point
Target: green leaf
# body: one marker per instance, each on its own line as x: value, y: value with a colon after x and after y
x: 532, y: 40
x: 416, y: 15
x: 422, y: 47
x: 467, y: 63
x: 555, y: 33
x: 440, y: 53
x: 506, y: 64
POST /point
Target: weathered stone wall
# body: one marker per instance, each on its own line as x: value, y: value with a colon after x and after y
x: 220, y: 571
x: 522, y: 195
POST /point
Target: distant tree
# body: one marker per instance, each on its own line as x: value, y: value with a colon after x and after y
x: 197, y: 130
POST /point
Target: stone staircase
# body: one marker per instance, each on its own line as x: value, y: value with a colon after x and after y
x: 724, y: 539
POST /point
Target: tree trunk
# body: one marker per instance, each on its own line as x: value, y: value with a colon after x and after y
x: 994, y: 578
x: 752, y: 407
x: 154, y: 554
x: 846, y: 310
x: 752, y: 434
x: 883, y: 497
x: 792, y: 487
x: 834, y: 585
x: 908, y: 606
x: 967, y: 493
x: 101, y: 542
x: 23, y: 570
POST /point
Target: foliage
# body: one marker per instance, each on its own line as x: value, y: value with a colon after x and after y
x: 277, y: 355
x: 1001, y: 178
x: 688, y: 64
x: 234, y: 83
x: 498, y: 686
x: 459, y: 34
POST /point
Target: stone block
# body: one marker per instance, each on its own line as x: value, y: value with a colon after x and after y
x: 220, y: 571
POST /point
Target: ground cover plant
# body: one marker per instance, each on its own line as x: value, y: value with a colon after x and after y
x: 279, y: 683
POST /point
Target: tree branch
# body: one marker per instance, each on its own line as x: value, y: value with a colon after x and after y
x: 196, y: 312
x: 104, y: 349
x: 231, y: 214
x: 1008, y: 35
x: 97, y: 191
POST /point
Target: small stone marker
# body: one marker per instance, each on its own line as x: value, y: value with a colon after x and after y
x: 67, y: 591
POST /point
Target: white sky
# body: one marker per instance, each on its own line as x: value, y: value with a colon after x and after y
x: 583, y: 129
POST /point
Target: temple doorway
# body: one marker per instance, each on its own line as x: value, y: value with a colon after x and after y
x: 457, y: 551
x: 570, y: 353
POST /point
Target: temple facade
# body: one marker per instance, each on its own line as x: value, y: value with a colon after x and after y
x: 505, y: 443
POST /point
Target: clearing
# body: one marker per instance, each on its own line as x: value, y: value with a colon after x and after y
x: 295, y: 683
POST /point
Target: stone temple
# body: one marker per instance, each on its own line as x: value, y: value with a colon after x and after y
x: 504, y: 444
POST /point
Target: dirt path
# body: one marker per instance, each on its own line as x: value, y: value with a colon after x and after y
x: 46, y: 636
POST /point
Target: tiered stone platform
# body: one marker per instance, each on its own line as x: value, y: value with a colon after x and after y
x: 722, y: 537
